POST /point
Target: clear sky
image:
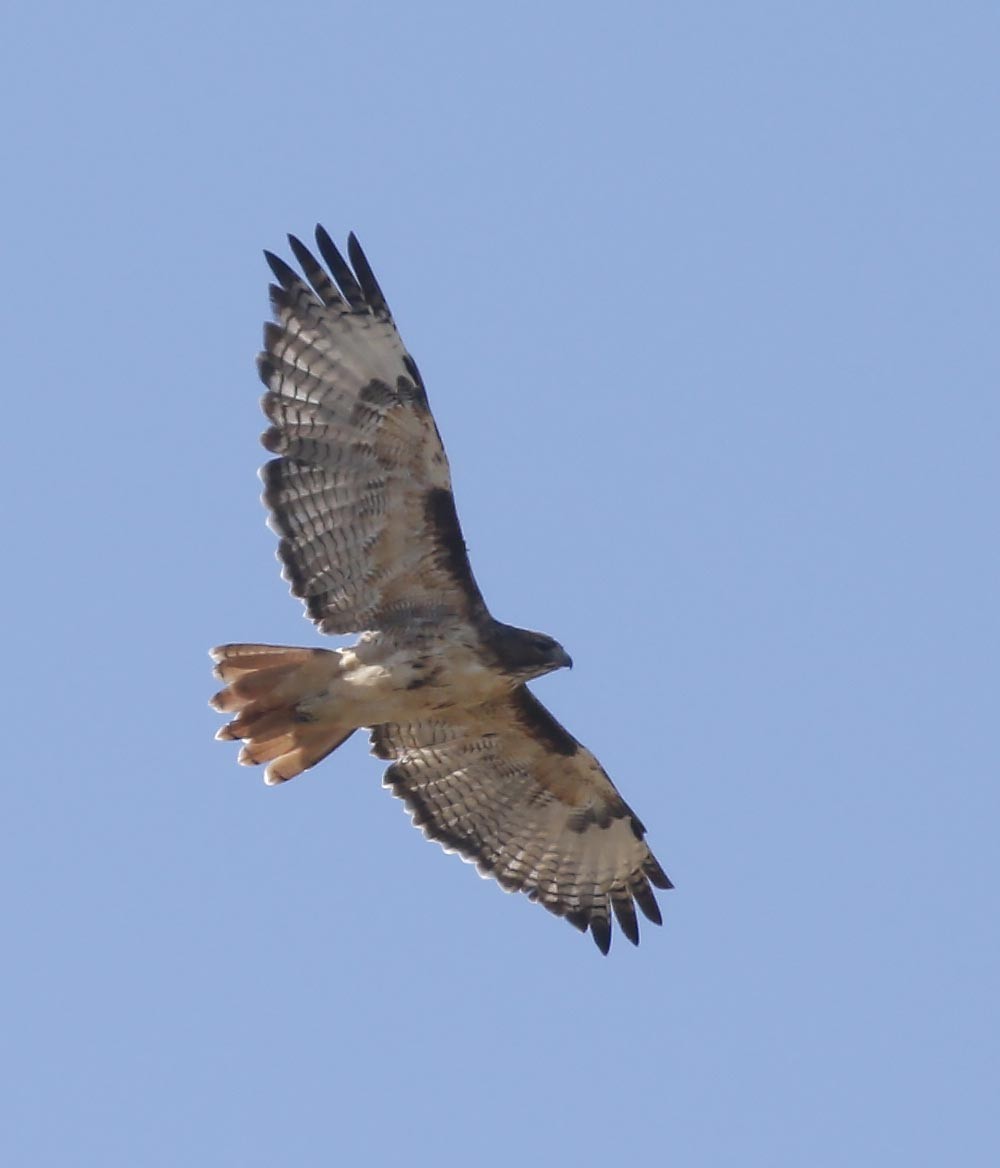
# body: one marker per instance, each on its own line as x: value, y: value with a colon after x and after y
x: 706, y: 299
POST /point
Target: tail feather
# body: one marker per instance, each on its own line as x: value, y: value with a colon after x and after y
x: 252, y: 723
x: 266, y: 688
x: 258, y: 750
x: 249, y: 687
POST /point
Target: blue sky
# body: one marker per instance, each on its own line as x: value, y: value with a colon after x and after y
x: 705, y: 296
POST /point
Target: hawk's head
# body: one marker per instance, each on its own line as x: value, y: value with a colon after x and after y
x: 524, y: 654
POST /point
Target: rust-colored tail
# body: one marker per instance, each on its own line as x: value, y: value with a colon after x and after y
x: 265, y: 685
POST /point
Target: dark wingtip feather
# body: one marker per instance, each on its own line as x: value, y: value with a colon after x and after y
x: 315, y: 273
x: 340, y: 269
x: 600, y: 930
x: 578, y: 920
x: 625, y: 912
x: 373, y: 293
x: 657, y: 876
x: 285, y: 275
x: 645, y: 899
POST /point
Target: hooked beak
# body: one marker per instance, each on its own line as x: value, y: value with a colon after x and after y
x: 564, y: 660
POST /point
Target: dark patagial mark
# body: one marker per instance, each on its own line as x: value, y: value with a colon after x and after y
x: 442, y: 518
x: 540, y: 724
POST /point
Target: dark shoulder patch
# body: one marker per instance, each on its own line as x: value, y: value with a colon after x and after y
x: 539, y: 723
x: 442, y: 518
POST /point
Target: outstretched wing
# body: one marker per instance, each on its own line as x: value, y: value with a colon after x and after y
x: 513, y: 791
x: 361, y: 495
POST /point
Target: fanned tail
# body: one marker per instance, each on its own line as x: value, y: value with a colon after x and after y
x: 266, y: 688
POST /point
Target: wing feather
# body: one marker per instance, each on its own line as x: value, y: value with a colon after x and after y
x: 315, y: 273
x: 340, y: 270
x: 361, y: 493
x: 512, y: 791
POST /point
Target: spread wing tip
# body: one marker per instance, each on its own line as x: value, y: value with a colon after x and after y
x: 652, y: 870
x: 283, y: 273
x: 600, y: 930
x: 374, y: 296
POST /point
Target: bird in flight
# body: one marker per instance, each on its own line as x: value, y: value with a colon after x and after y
x: 360, y: 495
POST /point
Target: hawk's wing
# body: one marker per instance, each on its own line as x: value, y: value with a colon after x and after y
x: 362, y: 494
x: 514, y: 792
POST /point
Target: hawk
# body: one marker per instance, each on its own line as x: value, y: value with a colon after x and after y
x: 360, y: 495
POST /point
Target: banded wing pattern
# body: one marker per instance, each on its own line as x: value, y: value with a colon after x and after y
x: 361, y: 493
x: 512, y: 791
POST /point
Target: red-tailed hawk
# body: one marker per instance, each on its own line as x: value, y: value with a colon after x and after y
x: 360, y: 495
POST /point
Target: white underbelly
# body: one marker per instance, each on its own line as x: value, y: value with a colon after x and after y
x: 373, y: 686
